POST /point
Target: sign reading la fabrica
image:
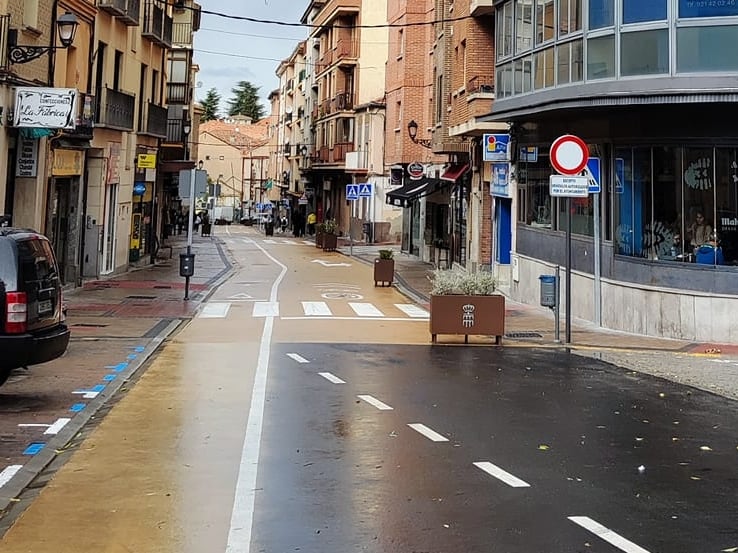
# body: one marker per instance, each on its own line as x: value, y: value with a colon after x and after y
x: 45, y: 108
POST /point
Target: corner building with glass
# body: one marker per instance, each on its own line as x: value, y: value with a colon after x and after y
x: 652, y: 87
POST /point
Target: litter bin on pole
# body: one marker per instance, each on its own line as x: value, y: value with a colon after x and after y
x: 269, y: 228
x: 548, y: 290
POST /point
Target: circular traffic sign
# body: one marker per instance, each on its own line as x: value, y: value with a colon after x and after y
x: 569, y: 154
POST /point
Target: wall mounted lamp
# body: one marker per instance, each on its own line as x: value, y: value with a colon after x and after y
x: 412, y: 131
x: 66, y: 26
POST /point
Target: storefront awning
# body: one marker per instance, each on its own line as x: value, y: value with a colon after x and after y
x: 413, y: 190
x: 455, y: 172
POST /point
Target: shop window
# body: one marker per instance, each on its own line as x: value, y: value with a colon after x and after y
x: 692, y: 8
x: 644, y: 52
x: 523, y: 25
x: 664, y: 235
x: 544, y: 61
x: 545, y: 20
x: 638, y: 11
x: 601, y: 57
x: 726, y: 203
x: 601, y: 14
x: 632, y: 202
x: 570, y: 16
x: 536, y: 207
x: 707, y: 49
x: 698, y: 175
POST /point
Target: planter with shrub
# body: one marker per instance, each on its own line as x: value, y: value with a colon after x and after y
x: 384, y: 268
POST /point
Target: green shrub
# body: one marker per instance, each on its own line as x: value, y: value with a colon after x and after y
x: 459, y: 282
x: 386, y: 254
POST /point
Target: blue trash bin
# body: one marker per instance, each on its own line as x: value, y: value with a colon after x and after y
x: 548, y: 290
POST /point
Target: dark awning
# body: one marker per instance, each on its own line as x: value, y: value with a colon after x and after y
x: 455, y: 171
x: 412, y: 191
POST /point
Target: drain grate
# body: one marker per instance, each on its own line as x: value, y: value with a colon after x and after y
x: 88, y: 325
x: 523, y: 335
x: 140, y: 297
x: 163, y: 287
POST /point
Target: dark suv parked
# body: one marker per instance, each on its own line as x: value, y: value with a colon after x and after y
x: 32, y: 328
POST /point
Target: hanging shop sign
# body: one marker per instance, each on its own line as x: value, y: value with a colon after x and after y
x: 45, y: 108
x: 68, y: 163
x: 500, y: 185
x: 416, y: 171
x: 146, y: 161
x: 27, y: 158
x: 495, y: 147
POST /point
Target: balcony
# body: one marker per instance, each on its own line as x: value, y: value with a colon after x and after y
x: 175, y: 131
x: 335, y: 154
x: 481, y: 84
x: 128, y: 11
x: 155, y: 121
x: 178, y: 93
x: 115, y: 109
x: 290, y: 86
x: 85, y: 118
x: 157, y: 25
x: 343, y: 101
x: 324, y: 109
x: 182, y: 34
x: 481, y: 7
x: 346, y: 50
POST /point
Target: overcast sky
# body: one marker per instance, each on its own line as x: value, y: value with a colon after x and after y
x: 229, y: 51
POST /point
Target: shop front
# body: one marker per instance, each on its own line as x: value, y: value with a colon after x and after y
x: 143, y: 214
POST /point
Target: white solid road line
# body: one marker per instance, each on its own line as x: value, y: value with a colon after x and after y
x: 330, y: 377
x: 269, y: 241
x: 55, y: 428
x: 365, y: 309
x: 8, y: 473
x: 266, y: 309
x: 412, y: 310
x: 608, y: 535
x: 297, y: 357
x: 375, y: 402
x: 316, y: 309
x: 214, y: 311
x: 500, y: 474
x: 427, y: 432
x: 381, y: 319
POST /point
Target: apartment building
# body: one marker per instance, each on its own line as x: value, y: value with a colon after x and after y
x: 650, y: 87
x: 84, y: 168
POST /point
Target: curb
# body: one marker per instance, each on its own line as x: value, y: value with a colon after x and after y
x: 26, y: 475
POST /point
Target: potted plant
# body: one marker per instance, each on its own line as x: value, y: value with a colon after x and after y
x: 319, y: 231
x: 330, y: 235
x: 384, y: 267
x: 465, y: 303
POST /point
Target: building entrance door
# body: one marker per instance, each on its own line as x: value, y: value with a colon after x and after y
x: 109, y: 242
x: 58, y: 221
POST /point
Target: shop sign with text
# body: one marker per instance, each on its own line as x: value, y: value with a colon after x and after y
x: 27, y: 158
x: 45, y: 108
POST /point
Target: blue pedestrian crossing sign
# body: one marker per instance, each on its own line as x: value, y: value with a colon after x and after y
x: 352, y: 191
x: 365, y: 190
x: 594, y: 175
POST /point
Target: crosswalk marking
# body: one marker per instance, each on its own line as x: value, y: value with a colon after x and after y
x: 266, y: 309
x: 215, y: 310
x: 330, y: 377
x: 371, y: 400
x: 297, y: 357
x: 432, y: 435
x: 412, y: 310
x: 500, y: 474
x: 316, y: 309
x: 308, y: 243
x: 365, y: 309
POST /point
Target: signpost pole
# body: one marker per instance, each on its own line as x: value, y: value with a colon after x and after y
x: 190, y: 223
x: 597, y: 275
x: 568, y: 270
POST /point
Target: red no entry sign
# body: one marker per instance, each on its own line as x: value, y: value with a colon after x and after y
x: 569, y: 154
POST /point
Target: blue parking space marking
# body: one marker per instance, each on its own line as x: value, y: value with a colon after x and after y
x: 120, y: 367
x: 132, y: 357
x: 99, y: 388
x: 34, y: 448
x: 77, y: 407
x: 110, y: 377
x: 139, y: 349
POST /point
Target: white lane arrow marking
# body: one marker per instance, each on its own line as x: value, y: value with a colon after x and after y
x: 326, y: 264
x: 241, y: 296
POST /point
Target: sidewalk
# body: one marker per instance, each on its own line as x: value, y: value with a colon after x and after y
x: 711, y: 367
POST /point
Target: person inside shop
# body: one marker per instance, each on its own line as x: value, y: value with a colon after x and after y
x: 710, y: 253
x: 700, y: 231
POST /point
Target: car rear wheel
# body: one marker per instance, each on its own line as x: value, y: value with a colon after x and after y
x: 4, y: 374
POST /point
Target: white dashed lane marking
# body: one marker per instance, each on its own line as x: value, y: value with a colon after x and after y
x: 8, y: 473
x: 608, y: 535
x: 266, y: 309
x: 427, y: 432
x: 500, y: 474
x: 412, y: 310
x: 297, y: 357
x: 330, y: 377
x: 316, y: 309
x: 375, y: 402
x: 365, y: 309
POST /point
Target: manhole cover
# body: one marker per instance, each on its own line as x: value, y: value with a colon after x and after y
x: 523, y: 335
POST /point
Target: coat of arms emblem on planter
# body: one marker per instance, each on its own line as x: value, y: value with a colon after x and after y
x: 467, y: 319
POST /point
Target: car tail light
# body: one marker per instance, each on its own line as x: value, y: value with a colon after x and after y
x: 16, y: 312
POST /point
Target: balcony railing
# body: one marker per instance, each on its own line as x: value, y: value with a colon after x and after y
x: 115, y: 109
x: 290, y: 85
x: 182, y: 34
x: 345, y: 49
x: 85, y: 117
x: 157, y: 25
x: 155, y: 121
x: 325, y: 108
x: 334, y: 154
x: 113, y: 7
x: 481, y: 84
x: 343, y: 101
x: 175, y: 131
x: 178, y: 93
x: 128, y: 11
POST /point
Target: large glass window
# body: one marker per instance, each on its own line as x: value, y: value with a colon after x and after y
x: 536, y: 208
x: 636, y: 11
x: 644, y: 52
x: 569, y: 62
x: 707, y: 49
x: 523, y: 75
x: 601, y: 13
x: 726, y: 203
x: 545, y: 20
x: 601, y: 57
x: 505, y: 38
x: 544, y: 61
x: 699, y: 196
x: 632, y: 201
x: 703, y: 8
x: 523, y: 25
x: 570, y: 16
x: 663, y: 236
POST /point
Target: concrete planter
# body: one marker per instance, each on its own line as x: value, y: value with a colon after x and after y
x: 468, y: 316
x: 384, y: 271
x: 319, y: 239
x: 330, y: 242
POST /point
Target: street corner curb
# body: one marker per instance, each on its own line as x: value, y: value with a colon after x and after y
x: 10, y: 492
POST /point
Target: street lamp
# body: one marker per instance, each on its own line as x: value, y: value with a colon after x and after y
x: 412, y: 131
x: 66, y: 26
x: 186, y: 128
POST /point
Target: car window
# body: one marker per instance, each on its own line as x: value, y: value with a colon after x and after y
x: 8, y: 271
x: 36, y: 261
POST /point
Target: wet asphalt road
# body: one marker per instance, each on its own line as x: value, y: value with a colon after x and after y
x: 338, y: 474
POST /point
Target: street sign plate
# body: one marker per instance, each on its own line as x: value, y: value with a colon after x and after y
x: 365, y: 190
x: 569, y: 187
x: 569, y: 154
x: 593, y: 173
x: 352, y: 191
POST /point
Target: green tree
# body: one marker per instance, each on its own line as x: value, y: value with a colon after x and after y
x: 211, y: 105
x: 246, y: 101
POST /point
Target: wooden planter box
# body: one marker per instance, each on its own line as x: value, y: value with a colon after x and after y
x: 319, y: 239
x: 330, y: 242
x: 468, y: 316
x: 384, y: 271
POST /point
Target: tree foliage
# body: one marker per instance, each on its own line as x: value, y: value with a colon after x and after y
x: 245, y: 101
x: 211, y: 105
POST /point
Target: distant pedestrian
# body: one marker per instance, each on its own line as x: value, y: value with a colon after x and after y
x: 311, y: 220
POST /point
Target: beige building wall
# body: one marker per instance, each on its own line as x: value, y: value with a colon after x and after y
x: 372, y: 52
